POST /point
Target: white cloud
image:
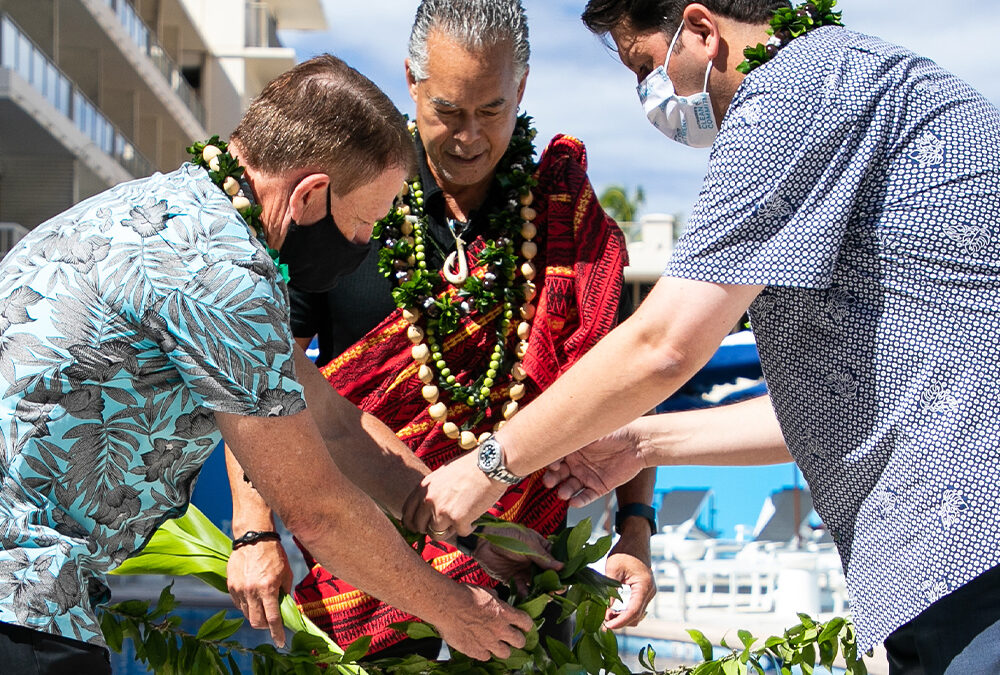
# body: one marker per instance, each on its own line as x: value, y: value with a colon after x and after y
x: 578, y: 87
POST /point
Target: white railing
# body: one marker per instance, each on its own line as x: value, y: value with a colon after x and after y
x: 19, y: 54
x: 262, y: 27
x: 144, y: 38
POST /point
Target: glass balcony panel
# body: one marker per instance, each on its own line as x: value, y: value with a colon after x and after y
x: 8, y: 44
x: 140, y: 34
x: 20, y: 55
x: 23, y: 62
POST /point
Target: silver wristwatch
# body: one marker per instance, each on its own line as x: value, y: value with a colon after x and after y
x: 490, y: 462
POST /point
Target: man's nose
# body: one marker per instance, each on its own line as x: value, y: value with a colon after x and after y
x: 469, y: 130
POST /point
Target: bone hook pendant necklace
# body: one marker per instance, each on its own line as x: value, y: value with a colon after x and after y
x: 456, y: 265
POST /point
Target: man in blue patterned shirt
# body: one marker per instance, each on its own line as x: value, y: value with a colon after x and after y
x: 146, y: 323
x: 852, y: 204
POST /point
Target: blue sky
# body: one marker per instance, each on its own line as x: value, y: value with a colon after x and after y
x: 578, y: 87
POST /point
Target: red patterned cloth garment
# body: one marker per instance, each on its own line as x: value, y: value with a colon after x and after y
x: 580, y: 264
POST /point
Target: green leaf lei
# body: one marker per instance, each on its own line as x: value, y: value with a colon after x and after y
x: 221, y: 167
x: 403, y: 259
x: 787, y: 24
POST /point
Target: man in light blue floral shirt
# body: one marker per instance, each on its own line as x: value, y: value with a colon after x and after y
x: 143, y: 325
x: 852, y: 203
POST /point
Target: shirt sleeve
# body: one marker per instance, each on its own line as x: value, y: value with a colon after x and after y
x: 226, y: 332
x: 779, y: 193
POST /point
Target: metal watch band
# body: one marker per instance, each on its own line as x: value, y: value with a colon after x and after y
x: 502, y: 474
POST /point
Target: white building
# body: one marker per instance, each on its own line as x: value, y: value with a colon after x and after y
x: 650, y: 243
x: 96, y: 92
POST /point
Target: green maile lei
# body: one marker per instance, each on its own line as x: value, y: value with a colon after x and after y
x: 213, y: 156
x: 787, y: 24
x: 435, y: 314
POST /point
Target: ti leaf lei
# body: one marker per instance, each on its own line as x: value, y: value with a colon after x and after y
x: 418, y: 286
x: 226, y: 172
x: 787, y: 24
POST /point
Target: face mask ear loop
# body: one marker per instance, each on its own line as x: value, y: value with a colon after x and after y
x: 673, y: 42
x: 708, y: 71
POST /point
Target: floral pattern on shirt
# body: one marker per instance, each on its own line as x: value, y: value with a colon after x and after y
x: 126, y: 323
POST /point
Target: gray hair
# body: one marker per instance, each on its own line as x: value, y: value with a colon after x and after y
x: 475, y: 24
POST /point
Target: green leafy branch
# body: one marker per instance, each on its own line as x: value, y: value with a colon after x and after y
x: 575, y: 588
x: 787, y: 24
x: 193, y: 545
x: 166, y: 649
x: 804, y: 646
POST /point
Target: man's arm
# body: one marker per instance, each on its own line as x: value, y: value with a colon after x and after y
x: 629, y: 559
x: 373, y: 459
x: 256, y: 573
x: 367, y: 451
x: 290, y: 466
x: 741, y: 434
x: 672, y: 334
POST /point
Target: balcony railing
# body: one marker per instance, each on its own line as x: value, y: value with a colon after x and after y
x: 262, y: 28
x: 146, y: 41
x: 19, y: 54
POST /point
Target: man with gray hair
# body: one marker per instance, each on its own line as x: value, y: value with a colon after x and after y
x: 148, y: 322
x: 850, y: 205
x: 494, y: 275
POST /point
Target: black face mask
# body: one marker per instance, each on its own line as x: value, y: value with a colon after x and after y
x: 317, y: 255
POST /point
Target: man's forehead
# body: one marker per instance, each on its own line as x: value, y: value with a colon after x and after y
x: 469, y: 80
x: 444, y: 51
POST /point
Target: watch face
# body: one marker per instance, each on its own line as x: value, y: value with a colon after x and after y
x: 489, y: 455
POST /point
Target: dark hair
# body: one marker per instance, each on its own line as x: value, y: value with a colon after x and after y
x: 600, y: 16
x: 325, y: 116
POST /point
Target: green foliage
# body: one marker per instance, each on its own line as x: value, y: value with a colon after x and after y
x: 616, y: 202
x: 576, y: 588
x: 166, y: 649
x: 193, y: 545
x: 805, y: 646
x: 787, y: 24
x: 410, y: 293
x: 227, y: 167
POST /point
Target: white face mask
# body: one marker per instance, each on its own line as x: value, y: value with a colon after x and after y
x: 686, y: 119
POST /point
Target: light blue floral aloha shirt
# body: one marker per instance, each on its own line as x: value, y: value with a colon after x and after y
x: 860, y: 183
x: 125, y: 324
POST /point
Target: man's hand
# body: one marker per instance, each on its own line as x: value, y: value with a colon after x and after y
x: 450, y: 498
x: 507, y: 566
x: 596, y: 469
x: 256, y: 575
x: 479, y: 624
x: 629, y: 563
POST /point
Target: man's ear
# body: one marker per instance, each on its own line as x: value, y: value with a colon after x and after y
x: 522, y: 85
x: 411, y: 81
x: 703, y: 23
x: 307, y: 204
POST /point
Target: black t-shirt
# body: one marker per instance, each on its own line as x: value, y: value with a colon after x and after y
x: 363, y: 299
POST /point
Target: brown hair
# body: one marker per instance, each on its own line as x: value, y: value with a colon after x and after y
x: 325, y: 116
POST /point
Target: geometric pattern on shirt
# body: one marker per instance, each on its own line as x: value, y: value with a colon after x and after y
x: 862, y: 190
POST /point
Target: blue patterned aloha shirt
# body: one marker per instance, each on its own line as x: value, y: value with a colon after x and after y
x: 125, y: 324
x: 860, y: 184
